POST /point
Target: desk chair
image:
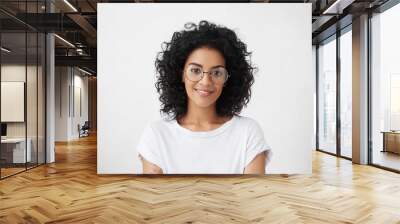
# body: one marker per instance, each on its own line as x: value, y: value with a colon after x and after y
x: 84, y: 130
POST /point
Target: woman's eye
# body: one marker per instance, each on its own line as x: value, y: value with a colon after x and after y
x: 216, y: 73
x: 195, y: 70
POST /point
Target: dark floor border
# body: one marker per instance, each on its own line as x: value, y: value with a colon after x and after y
x: 333, y: 154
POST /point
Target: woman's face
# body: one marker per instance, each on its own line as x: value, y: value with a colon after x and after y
x: 204, y: 92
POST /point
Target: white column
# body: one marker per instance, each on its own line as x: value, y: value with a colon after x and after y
x: 50, y: 110
x: 50, y: 93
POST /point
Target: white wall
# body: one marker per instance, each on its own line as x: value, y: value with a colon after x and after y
x: 61, y: 103
x: 80, y: 84
x: 68, y: 81
x: 129, y: 37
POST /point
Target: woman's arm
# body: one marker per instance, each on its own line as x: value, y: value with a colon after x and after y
x: 150, y: 168
x: 257, y: 165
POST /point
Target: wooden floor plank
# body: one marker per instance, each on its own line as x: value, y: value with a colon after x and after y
x: 70, y: 191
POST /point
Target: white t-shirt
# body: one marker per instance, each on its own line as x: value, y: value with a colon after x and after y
x: 225, y: 150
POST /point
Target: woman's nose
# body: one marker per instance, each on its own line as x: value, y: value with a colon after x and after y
x: 206, y: 78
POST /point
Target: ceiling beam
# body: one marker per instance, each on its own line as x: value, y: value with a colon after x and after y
x: 84, y: 24
x: 85, y: 61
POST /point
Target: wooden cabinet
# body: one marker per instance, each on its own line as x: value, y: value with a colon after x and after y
x: 391, y: 142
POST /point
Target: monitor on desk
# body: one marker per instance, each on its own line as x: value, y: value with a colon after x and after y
x: 3, y: 130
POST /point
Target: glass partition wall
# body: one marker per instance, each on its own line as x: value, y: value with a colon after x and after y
x: 13, y: 110
x: 22, y: 77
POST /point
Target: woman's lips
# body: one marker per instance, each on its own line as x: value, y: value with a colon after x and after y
x: 204, y: 92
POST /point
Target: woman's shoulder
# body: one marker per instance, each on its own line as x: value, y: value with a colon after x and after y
x: 247, y: 121
x: 248, y: 125
x: 160, y: 124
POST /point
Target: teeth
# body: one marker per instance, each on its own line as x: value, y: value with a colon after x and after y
x: 203, y: 92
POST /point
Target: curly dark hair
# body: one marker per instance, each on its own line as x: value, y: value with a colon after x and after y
x: 171, y: 60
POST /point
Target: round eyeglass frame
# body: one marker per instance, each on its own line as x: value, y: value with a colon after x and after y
x: 187, y: 70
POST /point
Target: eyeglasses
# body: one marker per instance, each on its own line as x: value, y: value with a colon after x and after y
x: 195, y: 73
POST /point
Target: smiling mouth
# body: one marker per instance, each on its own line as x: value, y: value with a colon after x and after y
x: 204, y: 92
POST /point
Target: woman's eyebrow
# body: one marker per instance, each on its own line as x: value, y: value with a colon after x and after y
x: 217, y: 66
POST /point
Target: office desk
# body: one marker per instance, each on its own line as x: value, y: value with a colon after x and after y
x: 391, y: 141
x: 13, y: 150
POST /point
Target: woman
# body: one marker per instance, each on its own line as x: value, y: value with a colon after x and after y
x: 204, y: 82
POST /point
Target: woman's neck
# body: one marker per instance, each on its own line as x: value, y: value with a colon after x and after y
x: 202, y: 118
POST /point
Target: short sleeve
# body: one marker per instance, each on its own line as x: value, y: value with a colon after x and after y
x: 256, y: 144
x: 148, y: 148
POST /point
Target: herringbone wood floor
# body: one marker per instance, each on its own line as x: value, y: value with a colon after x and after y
x: 70, y: 191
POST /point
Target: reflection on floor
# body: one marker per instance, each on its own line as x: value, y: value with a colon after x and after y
x: 386, y: 159
x: 11, y: 169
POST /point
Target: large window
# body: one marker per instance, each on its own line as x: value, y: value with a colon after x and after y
x: 346, y: 93
x: 335, y: 74
x: 385, y: 88
x: 327, y: 96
